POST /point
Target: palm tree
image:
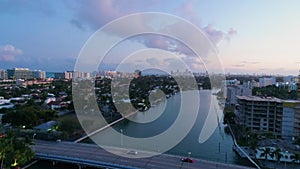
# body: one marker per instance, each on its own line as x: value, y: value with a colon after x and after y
x: 265, y: 153
x: 295, y: 157
x: 277, y: 154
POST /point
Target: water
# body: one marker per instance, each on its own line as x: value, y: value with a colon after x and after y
x: 217, y: 148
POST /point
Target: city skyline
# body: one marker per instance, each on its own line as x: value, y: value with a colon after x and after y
x: 251, y: 37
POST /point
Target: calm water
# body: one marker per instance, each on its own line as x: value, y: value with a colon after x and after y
x: 217, y: 148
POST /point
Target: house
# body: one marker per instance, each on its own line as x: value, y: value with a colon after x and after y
x: 47, y: 126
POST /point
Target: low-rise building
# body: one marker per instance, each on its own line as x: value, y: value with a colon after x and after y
x: 267, y: 81
x: 234, y: 91
x: 47, y: 126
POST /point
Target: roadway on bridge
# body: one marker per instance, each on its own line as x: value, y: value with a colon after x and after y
x: 95, y: 153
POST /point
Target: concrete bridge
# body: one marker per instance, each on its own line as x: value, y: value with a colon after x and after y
x: 94, y: 156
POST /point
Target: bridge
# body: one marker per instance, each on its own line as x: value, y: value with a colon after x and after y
x: 92, y: 155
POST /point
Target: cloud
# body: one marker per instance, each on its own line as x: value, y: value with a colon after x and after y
x: 250, y: 62
x: 239, y: 65
x: 213, y: 34
x: 245, y: 63
x: 188, y: 11
x: 9, y: 52
x: 95, y: 14
x: 232, y: 32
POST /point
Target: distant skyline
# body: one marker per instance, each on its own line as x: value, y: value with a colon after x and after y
x: 251, y: 36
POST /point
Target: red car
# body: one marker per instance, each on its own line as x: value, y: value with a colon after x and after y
x: 188, y: 160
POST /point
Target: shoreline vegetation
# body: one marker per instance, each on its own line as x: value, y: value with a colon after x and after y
x: 260, y: 147
x: 65, y: 126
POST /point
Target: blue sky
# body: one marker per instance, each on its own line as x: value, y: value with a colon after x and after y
x: 252, y: 36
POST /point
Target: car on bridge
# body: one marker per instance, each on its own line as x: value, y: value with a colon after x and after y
x: 132, y: 152
x: 187, y: 160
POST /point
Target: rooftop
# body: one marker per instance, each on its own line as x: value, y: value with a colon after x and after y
x: 257, y: 98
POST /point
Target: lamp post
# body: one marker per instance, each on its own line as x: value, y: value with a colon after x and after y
x: 121, y: 130
x: 34, y: 134
x: 189, y: 155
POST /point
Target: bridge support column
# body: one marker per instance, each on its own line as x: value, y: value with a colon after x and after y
x: 53, y: 163
x: 79, y: 166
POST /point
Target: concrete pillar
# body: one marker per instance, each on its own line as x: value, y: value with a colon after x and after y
x: 53, y: 163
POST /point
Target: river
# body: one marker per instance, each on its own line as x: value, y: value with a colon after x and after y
x: 217, y: 148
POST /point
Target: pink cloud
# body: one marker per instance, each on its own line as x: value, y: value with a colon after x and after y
x: 188, y: 11
x: 8, y: 53
x: 96, y: 13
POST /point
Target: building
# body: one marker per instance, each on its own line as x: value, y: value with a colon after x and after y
x: 63, y: 75
x: 269, y: 114
x: 234, y: 91
x: 59, y: 75
x: 39, y: 74
x: 291, y: 119
x: 267, y: 81
x: 298, y: 85
x: 81, y: 75
x: 72, y: 74
x: 288, y: 79
x: 3, y: 74
x: 19, y: 73
x: 47, y: 126
x: 251, y: 84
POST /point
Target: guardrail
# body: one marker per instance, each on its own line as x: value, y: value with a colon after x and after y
x: 80, y: 161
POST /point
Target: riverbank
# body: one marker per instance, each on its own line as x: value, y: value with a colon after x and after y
x: 240, y: 151
x: 218, y: 148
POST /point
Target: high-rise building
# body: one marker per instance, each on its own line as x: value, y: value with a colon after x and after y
x: 268, y: 114
x: 3, y: 74
x: 19, y: 73
x: 59, y: 75
x: 38, y: 74
x: 298, y: 85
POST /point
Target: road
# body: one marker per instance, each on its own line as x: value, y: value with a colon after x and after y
x: 95, y: 153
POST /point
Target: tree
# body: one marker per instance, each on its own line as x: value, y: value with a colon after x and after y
x: 265, y: 153
x: 296, y: 158
x: 277, y: 154
x: 253, y: 141
x: 14, y: 150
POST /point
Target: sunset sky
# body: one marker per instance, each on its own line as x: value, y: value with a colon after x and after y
x: 251, y: 36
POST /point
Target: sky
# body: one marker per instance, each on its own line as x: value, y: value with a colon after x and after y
x: 250, y: 36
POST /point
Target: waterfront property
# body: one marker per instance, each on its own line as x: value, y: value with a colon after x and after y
x: 269, y: 114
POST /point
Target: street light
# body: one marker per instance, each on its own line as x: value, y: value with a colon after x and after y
x: 121, y: 130
x: 189, y: 155
x: 34, y: 134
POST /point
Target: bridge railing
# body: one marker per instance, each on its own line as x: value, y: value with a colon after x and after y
x: 80, y: 161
